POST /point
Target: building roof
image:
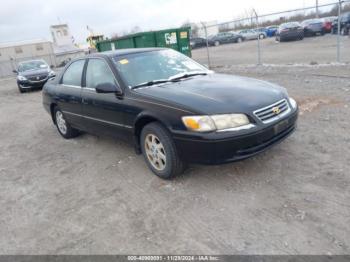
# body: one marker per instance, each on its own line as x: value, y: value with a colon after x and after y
x: 59, y: 26
x: 66, y: 49
x: 23, y: 42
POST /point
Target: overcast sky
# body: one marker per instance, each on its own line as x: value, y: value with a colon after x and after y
x: 24, y: 19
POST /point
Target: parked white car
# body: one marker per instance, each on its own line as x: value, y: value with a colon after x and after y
x: 251, y: 34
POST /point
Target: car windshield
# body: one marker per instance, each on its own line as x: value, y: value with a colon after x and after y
x: 32, y: 65
x: 139, y: 68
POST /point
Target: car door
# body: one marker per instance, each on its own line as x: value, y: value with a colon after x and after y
x: 68, y: 96
x: 103, y: 111
x: 252, y: 34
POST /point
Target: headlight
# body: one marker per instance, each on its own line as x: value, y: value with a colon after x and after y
x: 230, y: 121
x: 293, y: 103
x: 199, y: 123
x: 52, y: 73
x: 215, y: 122
x: 21, y: 78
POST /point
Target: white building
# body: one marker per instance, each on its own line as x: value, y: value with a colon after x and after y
x: 64, y: 47
x: 14, y: 52
x: 61, y: 35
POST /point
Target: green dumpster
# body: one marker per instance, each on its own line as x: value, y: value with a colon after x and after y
x: 177, y: 39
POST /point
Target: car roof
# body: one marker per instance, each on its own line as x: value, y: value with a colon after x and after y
x: 126, y: 51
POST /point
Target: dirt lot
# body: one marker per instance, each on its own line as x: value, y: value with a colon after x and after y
x: 321, y: 49
x: 93, y: 195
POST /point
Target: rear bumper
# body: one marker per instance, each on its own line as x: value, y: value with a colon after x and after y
x: 217, y: 151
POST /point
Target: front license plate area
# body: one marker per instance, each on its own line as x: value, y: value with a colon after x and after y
x: 280, y: 126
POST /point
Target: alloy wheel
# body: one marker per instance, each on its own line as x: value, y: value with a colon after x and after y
x: 61, y: 123
x: 155, y: 152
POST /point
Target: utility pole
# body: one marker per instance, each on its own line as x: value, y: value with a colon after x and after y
x: 317, y: 14
x: 338, y: 36
x: 257, y: 30
x: 206, y: 38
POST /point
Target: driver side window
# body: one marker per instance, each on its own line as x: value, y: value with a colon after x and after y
x: 98, y: 72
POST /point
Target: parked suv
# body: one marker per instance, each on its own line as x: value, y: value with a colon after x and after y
x: 344, y: 24
x: 313, y: 27
x: 33, y: 74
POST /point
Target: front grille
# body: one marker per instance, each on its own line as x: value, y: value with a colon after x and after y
x: 37, y: 78
x: 273, y: 112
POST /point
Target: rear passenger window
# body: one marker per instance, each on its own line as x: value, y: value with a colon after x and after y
x: 98, y: 72
x: 73, y: 74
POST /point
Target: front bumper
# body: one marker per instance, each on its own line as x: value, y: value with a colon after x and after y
x: 210, y: 150
x: 30, y: 84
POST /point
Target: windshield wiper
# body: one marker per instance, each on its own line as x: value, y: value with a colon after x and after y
x: 151, y: 83
x: 174, y: 78
x: 186, y: 75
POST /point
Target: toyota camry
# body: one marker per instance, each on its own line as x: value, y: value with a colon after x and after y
x: 174, y: 110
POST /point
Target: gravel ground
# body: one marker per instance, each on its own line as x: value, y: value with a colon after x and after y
x: 321, y: 49
x: 93, y: 195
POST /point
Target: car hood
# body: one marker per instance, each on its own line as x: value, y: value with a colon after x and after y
x: 217, y: 94
x: 34, y: 72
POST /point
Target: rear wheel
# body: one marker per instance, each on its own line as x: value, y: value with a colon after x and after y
x: 159, y: 151
x: 63, y: 127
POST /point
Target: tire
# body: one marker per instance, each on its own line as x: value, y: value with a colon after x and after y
x: 216, y: 43
x: 63, y: 127
x: 20, y: 89
x: 159, y: 151
x: 261, y: 36
x: 239, y: 40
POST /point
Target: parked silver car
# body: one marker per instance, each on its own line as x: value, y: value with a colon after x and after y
x: 252, y: 34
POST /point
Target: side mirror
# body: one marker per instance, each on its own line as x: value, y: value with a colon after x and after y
x: 15, y: 71
x: 108, y: 88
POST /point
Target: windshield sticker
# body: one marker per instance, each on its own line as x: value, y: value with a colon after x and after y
x: 124, y: 61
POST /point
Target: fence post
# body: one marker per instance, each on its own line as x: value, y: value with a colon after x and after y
x: 338, y: 33
x: 207, y: 42
x: 257, y: 30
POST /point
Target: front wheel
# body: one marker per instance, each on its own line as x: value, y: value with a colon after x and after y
x: 160, y: 152
x: 20, y: 89
x: 63, y: 127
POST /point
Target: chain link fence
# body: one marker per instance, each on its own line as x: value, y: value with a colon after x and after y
x: 312, y: 35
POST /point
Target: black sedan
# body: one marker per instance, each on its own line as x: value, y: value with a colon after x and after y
x: 173, y: 109
x: 225, y: 38
x: 290, y: 31
x: 33, y: 74
x: 313, y: 27
x: 198, y: 42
